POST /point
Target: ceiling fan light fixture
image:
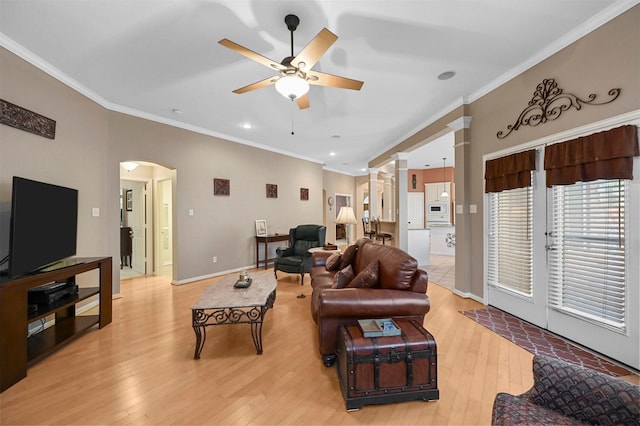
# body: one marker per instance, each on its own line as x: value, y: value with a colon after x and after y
x: 292, y: 87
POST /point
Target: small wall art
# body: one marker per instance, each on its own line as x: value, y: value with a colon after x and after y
x: 272, y: 190
x: 221, y: 186
x: 129, y: 199
x: 261, y: 228
x: 304, y: 194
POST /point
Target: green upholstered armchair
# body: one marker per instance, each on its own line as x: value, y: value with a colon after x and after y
x: 296, y: 258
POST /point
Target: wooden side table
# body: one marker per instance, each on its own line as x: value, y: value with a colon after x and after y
x: 266, y: 239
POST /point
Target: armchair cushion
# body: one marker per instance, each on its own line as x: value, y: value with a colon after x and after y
x: 577, y: 394
x: 582, y: 393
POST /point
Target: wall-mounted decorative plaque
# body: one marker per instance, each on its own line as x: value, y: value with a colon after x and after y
x: 29, y: 121
x: 304, y: 194
x: 221, y: 186
x: 272, y: 190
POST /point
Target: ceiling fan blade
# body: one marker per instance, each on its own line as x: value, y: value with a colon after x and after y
x: 252, y: 55
x: 303, y: 101
x: 257, y: 85
x: 330, y: 80
x: 313, y: 51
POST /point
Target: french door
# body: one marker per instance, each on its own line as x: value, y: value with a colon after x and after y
x: 515, y: 248
x: 567, y: 259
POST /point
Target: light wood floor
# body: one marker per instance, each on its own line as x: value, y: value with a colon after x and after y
x: 140, y: 369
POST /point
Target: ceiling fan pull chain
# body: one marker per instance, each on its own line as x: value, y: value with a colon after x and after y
x: 292, y: 109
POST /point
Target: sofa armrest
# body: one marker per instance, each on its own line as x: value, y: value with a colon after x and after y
x: 370, y: 303
x: 320, y: 258
x: 510, y: 410
x: 582, y: 393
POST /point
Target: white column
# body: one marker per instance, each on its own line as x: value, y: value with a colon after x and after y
x: 402, y: 214
x: 373, y: 193
x: 389, y: 197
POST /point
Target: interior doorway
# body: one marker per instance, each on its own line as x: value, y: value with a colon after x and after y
x: 165, y: 228
x: 146, y: 219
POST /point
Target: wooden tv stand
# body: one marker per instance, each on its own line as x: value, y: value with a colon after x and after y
x: 17, y: 350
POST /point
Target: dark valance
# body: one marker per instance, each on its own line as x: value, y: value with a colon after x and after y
x: 604, y: 155
x: 509, y: 172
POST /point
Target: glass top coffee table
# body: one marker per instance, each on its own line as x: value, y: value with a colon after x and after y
x: 222, y: 304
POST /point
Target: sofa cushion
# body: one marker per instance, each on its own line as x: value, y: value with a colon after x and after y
x: 348, y: 256
x: 367, y: 278
x: 343, y: 277
x: 397, y: 268
x: 334, y: 262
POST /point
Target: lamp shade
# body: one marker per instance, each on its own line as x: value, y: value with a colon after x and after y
x: 346, y: 216
x: 292, y: 86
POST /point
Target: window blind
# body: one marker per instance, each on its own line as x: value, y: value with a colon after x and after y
x: 510, y: 251
x: 587, y: 257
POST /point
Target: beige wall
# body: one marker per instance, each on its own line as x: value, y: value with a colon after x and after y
x: 76, y: 158
x: 337, y: 183
x: 91, y: 142
x: 607, y: 58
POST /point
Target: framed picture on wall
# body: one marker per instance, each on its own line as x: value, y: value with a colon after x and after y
x: 304, y: 194
x: 261, y: 228
x: 221, y: 186
x: 272, y: 190
x: 128, y: 196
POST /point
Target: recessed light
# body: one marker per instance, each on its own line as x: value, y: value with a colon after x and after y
x: 332, y: 153
x: 176, y: 111
x: 446, y: 75
x: 246, y: 125
x: 336, y: 136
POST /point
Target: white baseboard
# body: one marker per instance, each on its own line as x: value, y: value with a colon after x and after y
x: 215, y: 274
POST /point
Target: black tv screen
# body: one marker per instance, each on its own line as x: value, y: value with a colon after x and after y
x: 44, y: 225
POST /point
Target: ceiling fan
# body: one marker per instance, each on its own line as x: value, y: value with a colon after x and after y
x: 295, y: 71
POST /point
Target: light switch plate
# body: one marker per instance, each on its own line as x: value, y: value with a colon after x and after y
x: 473, y: 208
x: 459, y: 208
x: 95, y: 212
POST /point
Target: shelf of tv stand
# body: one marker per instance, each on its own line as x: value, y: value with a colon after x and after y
x: 41, y: 344
x: 17, y: 351
x: 46, y: 310
x: 66, y: 327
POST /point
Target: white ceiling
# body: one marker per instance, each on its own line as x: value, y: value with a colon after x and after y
x: 152, y: 57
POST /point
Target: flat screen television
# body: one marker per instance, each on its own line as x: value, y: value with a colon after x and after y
x: 44, y: 225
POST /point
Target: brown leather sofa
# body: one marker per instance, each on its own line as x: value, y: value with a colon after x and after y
x: 400, y: 292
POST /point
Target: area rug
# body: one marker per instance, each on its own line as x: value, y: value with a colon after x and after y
x: 541, y: 342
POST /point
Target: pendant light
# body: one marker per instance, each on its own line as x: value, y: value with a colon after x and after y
x: 444, y: 189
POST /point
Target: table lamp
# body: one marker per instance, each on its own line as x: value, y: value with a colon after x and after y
x: 346, y: 217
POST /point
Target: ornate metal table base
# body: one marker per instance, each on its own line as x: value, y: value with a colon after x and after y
x: 253, y: 315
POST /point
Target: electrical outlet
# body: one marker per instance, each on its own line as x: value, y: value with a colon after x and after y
x: 214, y: 259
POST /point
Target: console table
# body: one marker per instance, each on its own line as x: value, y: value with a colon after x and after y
x: 17, y: 350
x: 266, y: 239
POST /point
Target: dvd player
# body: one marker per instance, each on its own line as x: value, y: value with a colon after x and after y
x: 52, y: 296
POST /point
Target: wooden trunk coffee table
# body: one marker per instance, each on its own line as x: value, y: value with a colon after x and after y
x: 222, y: 304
